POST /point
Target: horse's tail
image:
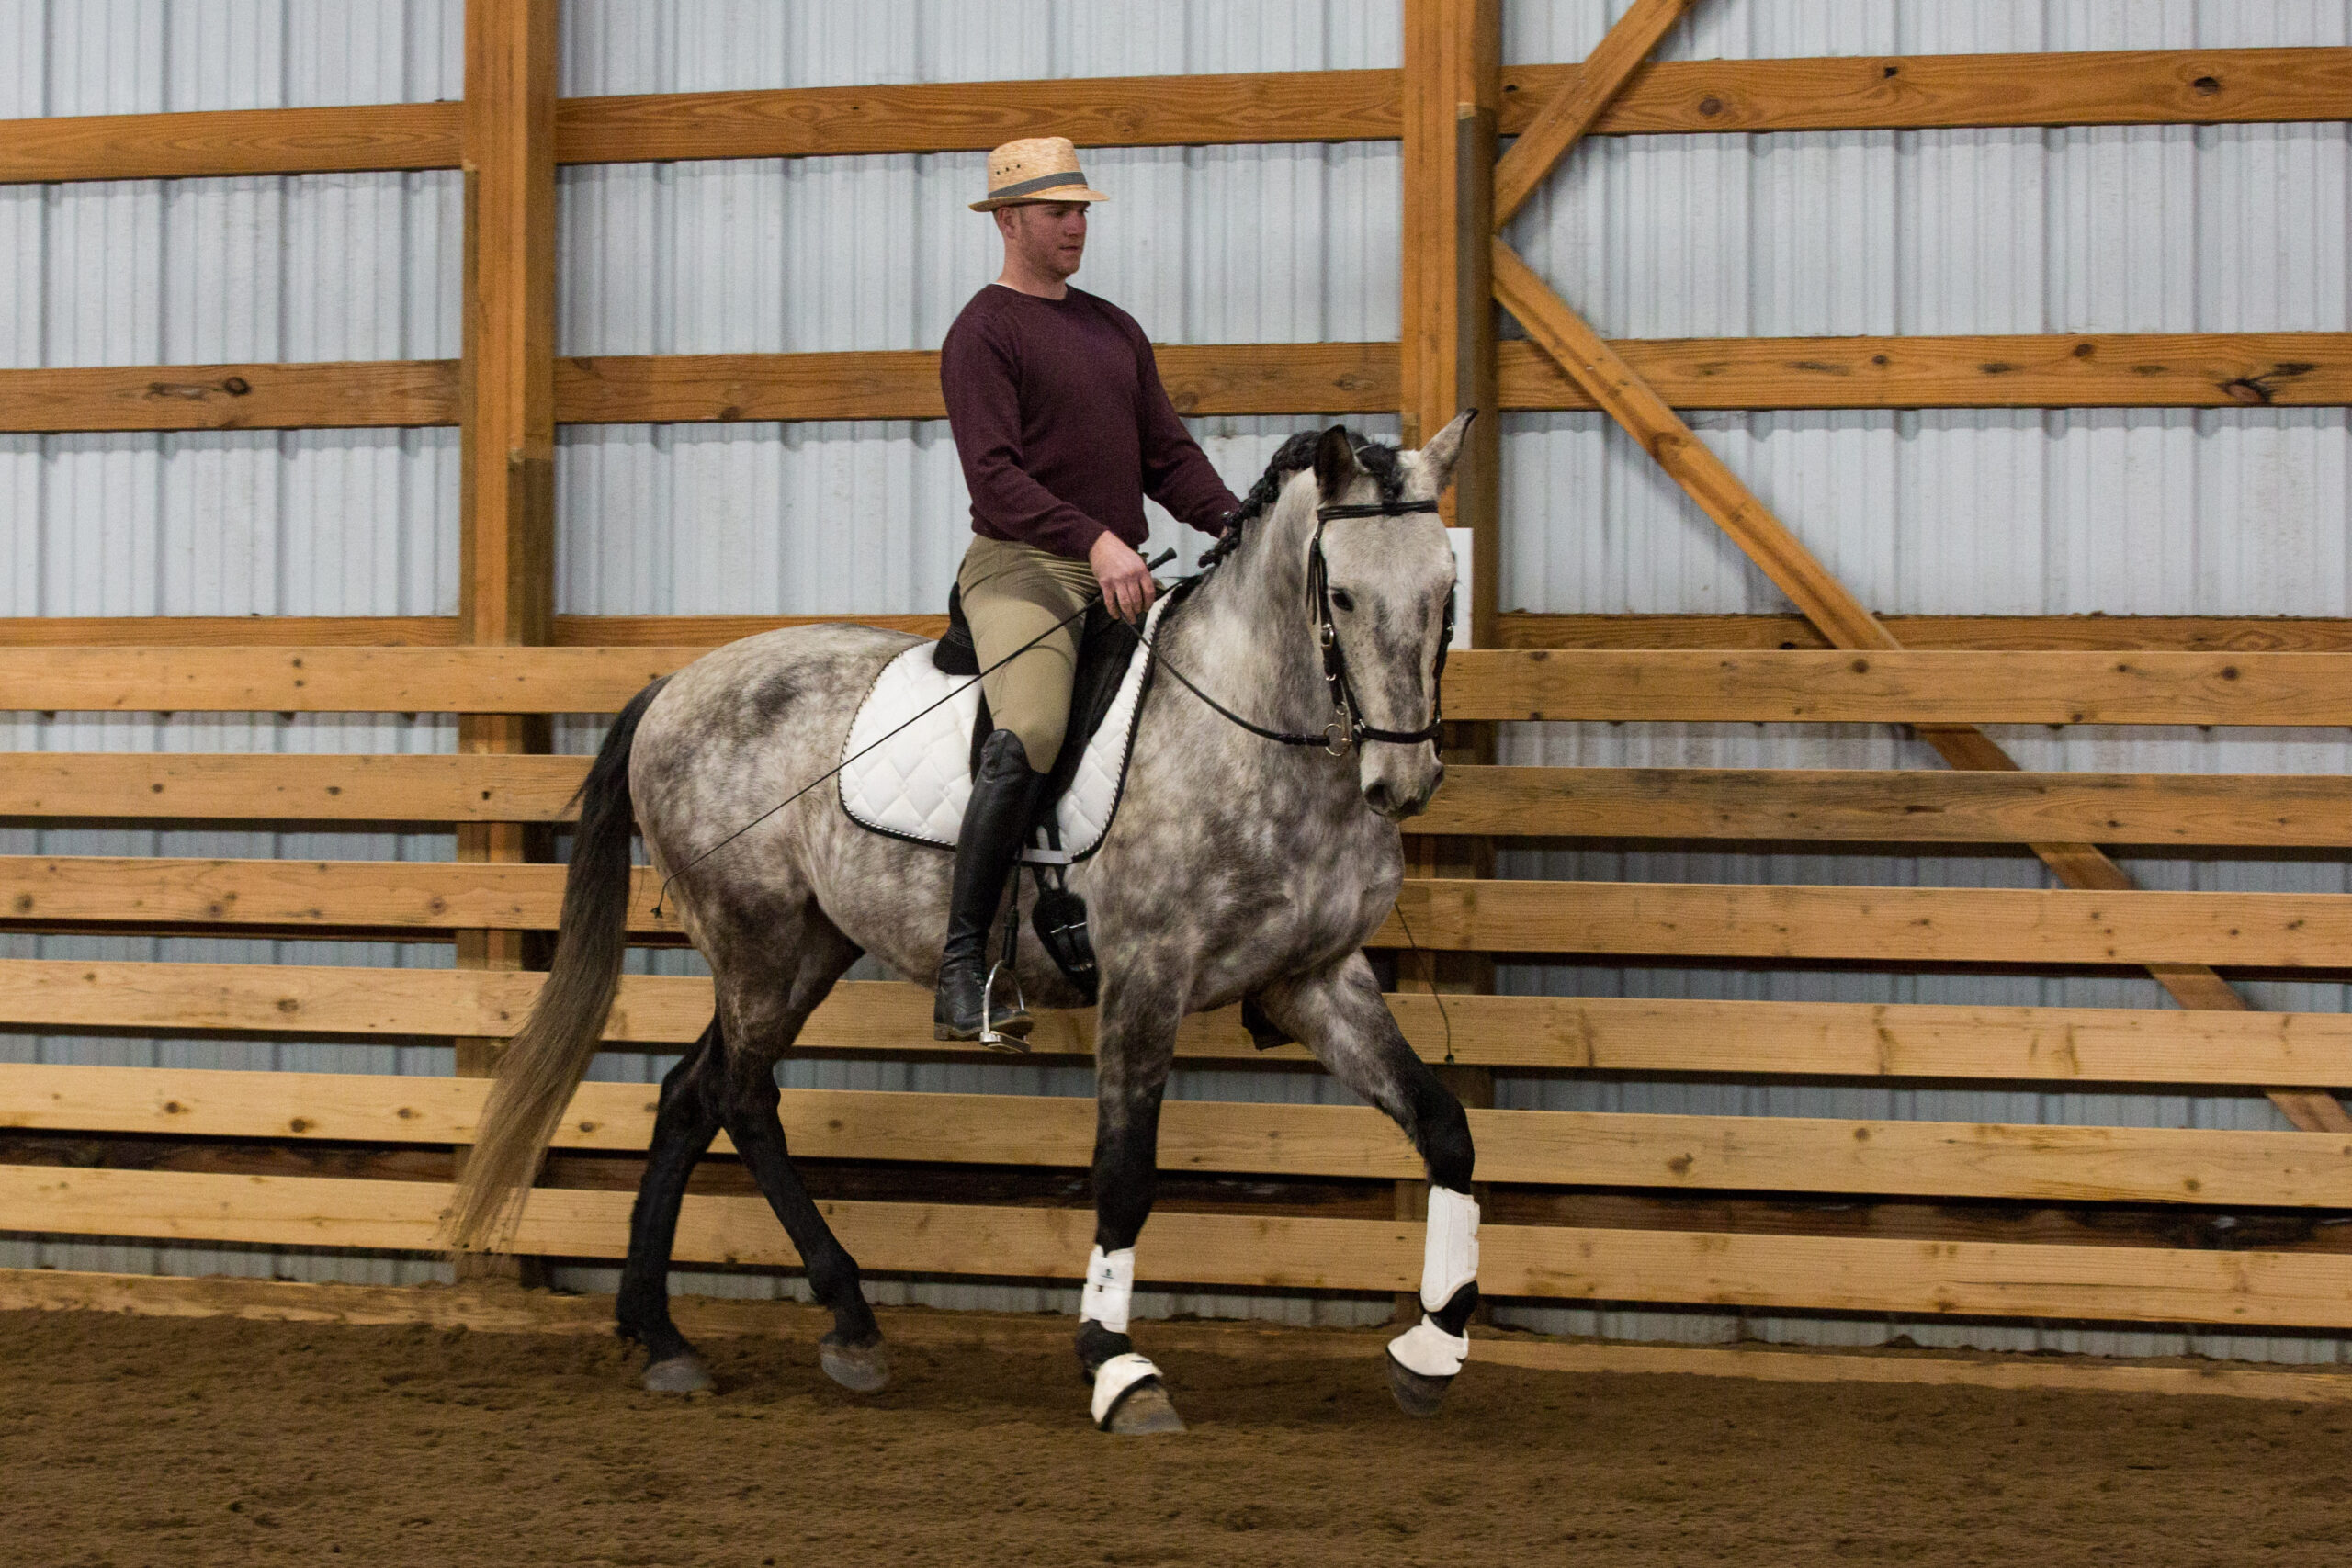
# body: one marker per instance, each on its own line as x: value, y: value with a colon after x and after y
x: 550, y: 1056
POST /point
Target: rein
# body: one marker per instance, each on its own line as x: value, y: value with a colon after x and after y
x: 1347, y: 726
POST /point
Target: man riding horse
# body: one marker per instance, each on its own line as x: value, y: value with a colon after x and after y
x: 1063, y: 428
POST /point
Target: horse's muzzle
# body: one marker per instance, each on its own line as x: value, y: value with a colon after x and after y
x: 1400, y: 793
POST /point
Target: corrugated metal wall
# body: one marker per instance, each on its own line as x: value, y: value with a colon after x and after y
x: 2155, y: 229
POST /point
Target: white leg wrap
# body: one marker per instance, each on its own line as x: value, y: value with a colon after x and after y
x: 1110, y: 1289
x: 1118, y: 1375
x: 1450, y: 1251
x: 1429, y: 1350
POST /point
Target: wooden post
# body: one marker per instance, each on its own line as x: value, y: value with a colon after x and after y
x: 506, y: 577
x: 1452, y: 85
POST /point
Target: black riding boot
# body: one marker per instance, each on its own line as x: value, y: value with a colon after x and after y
x: 1005, y: 797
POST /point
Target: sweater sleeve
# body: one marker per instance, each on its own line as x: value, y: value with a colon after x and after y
x: 982, y: 391
x: 1176, y: 472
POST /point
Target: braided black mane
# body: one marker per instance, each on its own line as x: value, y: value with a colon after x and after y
x: 1378, y: 459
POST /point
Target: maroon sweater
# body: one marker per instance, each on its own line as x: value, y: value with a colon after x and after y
x: 1063, y: 426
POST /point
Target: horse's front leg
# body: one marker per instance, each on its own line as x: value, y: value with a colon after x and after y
x: 1135, y: 1043
x: 1339, y: 1015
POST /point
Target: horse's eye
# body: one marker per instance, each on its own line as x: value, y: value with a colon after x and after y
x: 1342, y: 600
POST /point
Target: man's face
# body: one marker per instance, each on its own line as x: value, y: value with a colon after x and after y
x: 1049, y: 236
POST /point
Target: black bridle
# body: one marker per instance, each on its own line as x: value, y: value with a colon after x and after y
x: 1347, y: 726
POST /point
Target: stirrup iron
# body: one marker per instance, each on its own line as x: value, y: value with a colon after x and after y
x: 1017, y: 1045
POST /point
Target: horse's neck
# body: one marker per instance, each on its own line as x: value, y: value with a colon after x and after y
x: 1248, y: 641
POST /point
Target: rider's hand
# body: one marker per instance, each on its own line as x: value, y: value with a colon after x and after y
x: 1127, y: 587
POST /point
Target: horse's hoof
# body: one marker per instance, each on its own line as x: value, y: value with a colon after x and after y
x: 1143, y: 1411
x: 1416, y: 1394
x: 861, y: 1368
x: 682, y: 1373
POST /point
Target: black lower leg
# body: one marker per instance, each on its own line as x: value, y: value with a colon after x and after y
x: 1441, y: 1130
x: 751, y: 1122
x: 1127, y: 1180
x: 682, y: 1130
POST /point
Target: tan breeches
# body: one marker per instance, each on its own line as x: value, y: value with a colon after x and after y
x: 1012, y: 593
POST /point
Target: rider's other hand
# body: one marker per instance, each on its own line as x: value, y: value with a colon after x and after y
x: 1127, y: 587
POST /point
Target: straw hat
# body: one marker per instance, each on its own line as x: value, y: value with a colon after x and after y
x: 1037, y: 168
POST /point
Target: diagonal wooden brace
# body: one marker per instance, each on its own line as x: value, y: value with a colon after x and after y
x: 1634, y: 404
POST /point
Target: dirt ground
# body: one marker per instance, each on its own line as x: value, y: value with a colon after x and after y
x: 127, y: 1441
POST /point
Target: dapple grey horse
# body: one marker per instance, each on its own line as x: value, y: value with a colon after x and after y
x: 1237, y: 868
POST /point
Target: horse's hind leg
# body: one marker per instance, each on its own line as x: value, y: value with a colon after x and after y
x: 683, y: 1130
x: 760, y: 1026
x: 1340, y: 1017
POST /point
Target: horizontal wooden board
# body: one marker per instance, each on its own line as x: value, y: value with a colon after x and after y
x: 1919, y: 806
x: 1201, y: 378
x: 1094, y: 111
x: 1597, y: 1033
x: 230, y: 141
x: 1669, y: 685
x: 2180, y: 634
x: 1885, y: 925
x: 1890, y: 925
x: 228, y: 631
x: 1520, y: 629
x: 2205, y: 370
x: 1920, y: 92
x: 381, y: 787
x: 1805, y: 686
x: 2155, y: 86
x: 356, y: 395
x: 1771, y: 1153
x: 714, y: 631
x: 1892, y: 805
x: 2144, y: 370
x: 1990, y: 1279
x: 332, y: 680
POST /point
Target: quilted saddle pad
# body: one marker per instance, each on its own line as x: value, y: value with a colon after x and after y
x: 915, y: 784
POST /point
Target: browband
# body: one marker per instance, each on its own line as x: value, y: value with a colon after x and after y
x: 1375, y: 508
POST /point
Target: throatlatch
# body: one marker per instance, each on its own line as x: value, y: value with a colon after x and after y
x: 1438, y: 1345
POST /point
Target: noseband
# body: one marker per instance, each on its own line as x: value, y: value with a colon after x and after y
x: 1347, y: 726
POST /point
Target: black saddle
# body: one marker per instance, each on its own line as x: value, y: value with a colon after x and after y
x: 1105, y: 647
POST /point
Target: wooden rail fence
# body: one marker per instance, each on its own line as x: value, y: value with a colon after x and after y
x: 1706, y: 1210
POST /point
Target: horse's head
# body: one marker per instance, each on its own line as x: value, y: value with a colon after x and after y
x: 1388, y: 582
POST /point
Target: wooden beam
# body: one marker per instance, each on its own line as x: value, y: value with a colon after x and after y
x: 2157, y: 86
x: 1899, y: 686
x: 1768, y: 1154
x: 1886, y: 925
x: 1576, y: 105
x: 700, y: 631
x: 2179, y: 634
x: 2142, y: 370
x: 1201, y: 378
x: 382, y: 788
x: 2123, y: 87
x: 1094, y: 111
x: 233, y: 141
x: 1938, y: 1278
x: 351, y: 395
x: 228, y: 631
x: 2074, y: 1045
x: 1842, y: 617
x: 1806, y: 686
x: 1902, y: 806
x: 2043, y: 370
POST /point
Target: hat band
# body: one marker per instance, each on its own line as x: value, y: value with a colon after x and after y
x: 1043, y: 182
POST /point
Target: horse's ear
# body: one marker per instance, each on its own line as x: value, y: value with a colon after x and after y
x: 1335, y: 463
x: 1440, y: 451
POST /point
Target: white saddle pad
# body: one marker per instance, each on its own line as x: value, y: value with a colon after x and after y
x: 916, y: 783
